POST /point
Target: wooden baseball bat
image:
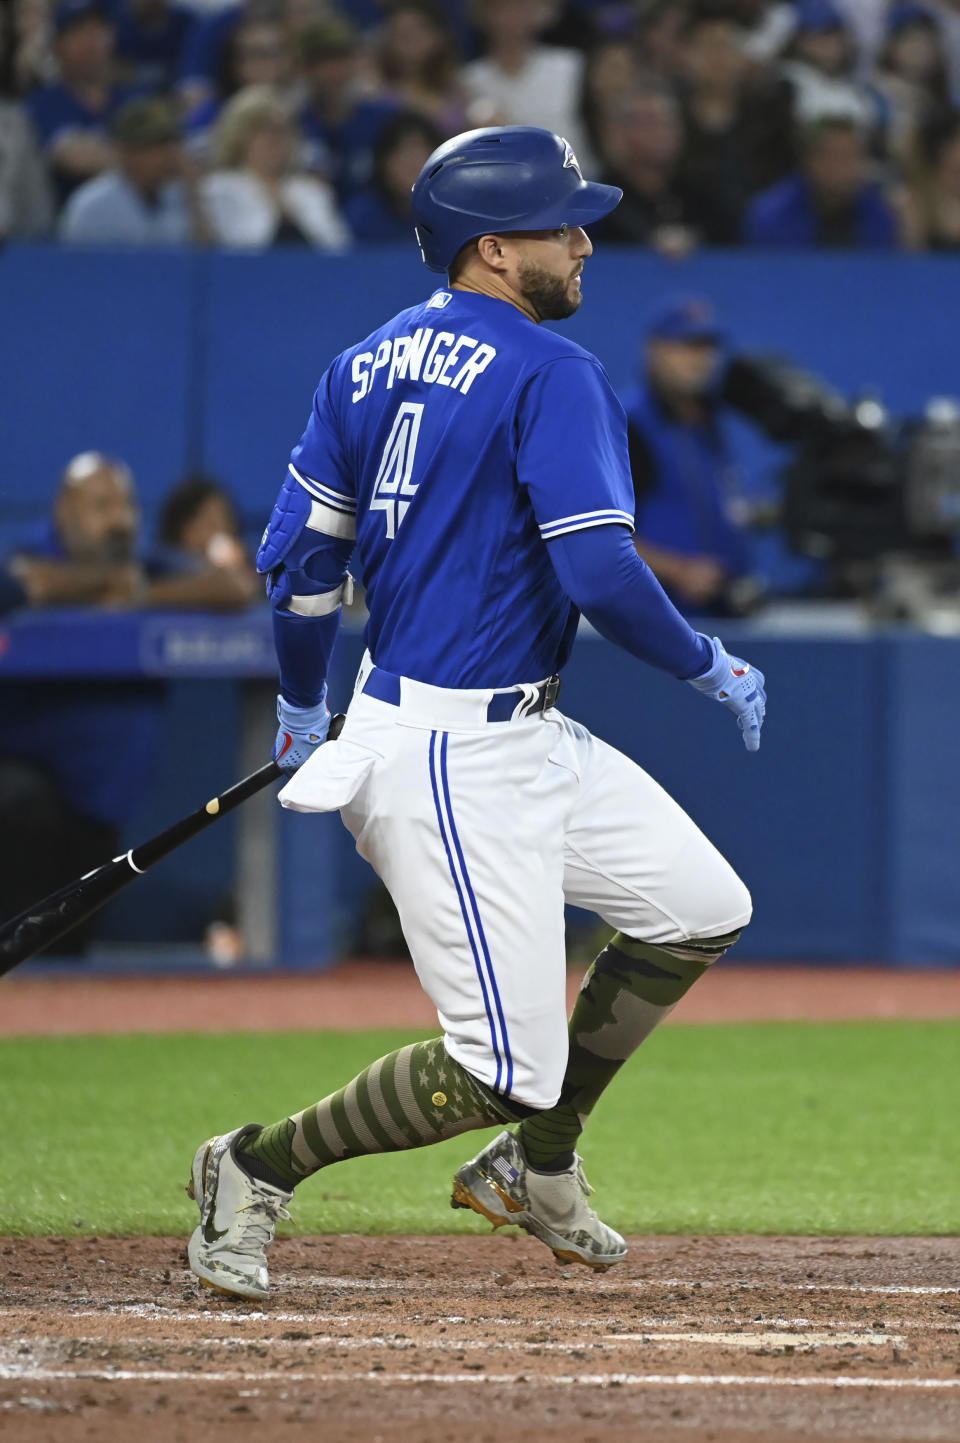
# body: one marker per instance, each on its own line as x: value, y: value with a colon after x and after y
x: 49, y: 919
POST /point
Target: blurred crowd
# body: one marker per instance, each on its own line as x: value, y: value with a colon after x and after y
x: 799, y: 123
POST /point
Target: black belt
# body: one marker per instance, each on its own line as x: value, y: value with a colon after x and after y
x: 385, y: 686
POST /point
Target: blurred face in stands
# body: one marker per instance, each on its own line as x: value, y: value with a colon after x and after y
x: 714, y: 58
x: 403, y: 164
x: 213, y: 518
x: 825, y: 50
x: 95, y: 513
x: 914, y: 53
x: 510, y: 23
x: 297, y: 14
x: 611, y: 71
x: 148, y: 167
x: 835, y: 166
x: 333, y: 76
x: 260, y: 54
x: 643, y: 131
x: 85, y: 49
x: 681, y: 368
x: 661, y: 41
x: 412, y: 41
x: 268, y: 148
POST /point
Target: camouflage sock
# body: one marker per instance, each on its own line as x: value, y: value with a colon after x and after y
x: 628, y: 991
x: 410, y: 1098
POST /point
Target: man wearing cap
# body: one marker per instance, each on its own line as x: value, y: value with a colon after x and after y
x: 147, y: 199
x: 472, y: 466
x: 341, y: 125
x: 679, y: 461
x: 73, y: 115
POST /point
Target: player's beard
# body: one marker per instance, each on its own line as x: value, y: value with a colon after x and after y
x: 548, y: 294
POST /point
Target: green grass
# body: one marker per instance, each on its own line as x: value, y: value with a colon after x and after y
x: 793, y: 1128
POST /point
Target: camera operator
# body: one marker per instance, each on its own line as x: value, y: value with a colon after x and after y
x: 681, y: 464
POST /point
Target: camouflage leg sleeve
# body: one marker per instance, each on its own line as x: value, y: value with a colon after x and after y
x: 410, y: 1098
x: 628, y: 991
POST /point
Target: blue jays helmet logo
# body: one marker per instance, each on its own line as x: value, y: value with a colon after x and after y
x: 570, y: 161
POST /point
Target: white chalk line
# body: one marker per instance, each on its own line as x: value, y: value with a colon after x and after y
x: 482, y: 1319
x: 228, y: 1318
x: 592, y: 1285
x: 579, y: 1380
x: 727, y: 1339
x: 567, y: 1282
x: 761, y: 1339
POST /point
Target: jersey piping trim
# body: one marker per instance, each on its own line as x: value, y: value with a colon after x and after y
x: 331, y: 522
x: 470, y: 913
x: 321, y: 492
x: 584, y: 519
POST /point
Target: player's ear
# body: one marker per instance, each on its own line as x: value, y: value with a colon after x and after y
x: 490, y: 248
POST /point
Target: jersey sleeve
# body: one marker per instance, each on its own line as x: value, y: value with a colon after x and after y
x: 319, y: 465
x: 572, y: 455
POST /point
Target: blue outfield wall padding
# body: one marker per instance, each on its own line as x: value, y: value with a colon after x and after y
x: 199, y: 757
x: 98, y: 351
x: 922, y: 783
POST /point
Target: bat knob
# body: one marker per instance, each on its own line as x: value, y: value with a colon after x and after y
x: 336, y: 726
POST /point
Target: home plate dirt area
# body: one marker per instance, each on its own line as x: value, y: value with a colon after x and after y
x: 430, y: 1339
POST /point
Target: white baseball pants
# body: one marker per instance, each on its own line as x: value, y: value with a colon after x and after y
x: 481, y: 831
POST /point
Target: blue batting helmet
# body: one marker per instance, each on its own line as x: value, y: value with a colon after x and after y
x: 500, y: 179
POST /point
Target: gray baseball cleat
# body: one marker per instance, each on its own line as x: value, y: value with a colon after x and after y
x: 499, y: 1185
x: 238, y: 1219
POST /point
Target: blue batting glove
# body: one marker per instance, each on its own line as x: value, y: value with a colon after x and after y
x: 739, y: 686
x: 302, y: 730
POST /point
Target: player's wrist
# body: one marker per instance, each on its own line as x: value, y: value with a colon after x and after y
x: 712, y: 658
x: 302, y: 717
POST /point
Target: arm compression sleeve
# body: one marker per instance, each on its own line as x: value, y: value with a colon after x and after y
x: 618, y: 594
x: 305, y: 643
x: 304, y: 646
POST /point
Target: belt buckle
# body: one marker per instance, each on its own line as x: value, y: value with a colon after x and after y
x: 551, y: 690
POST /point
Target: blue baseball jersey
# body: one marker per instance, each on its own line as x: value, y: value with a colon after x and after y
x: 454, y: 443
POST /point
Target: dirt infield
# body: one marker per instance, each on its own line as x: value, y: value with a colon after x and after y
x: 715, y: 1340
x: 387, y: 994
x: 440, y: 1340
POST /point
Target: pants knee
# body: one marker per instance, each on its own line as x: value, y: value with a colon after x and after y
x: 724, y: 906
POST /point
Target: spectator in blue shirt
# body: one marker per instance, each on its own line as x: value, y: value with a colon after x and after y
x: 830, y: 202
x: 680, y: 462
x: 72, y: 116
x: 341, y: 125
x: 380, y: 213
x: 203, y: 53
x: 151, y: 41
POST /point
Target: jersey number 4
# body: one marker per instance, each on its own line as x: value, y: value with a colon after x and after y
x: 395, y: 487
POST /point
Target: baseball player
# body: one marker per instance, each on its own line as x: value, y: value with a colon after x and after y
x: 472, y: 468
